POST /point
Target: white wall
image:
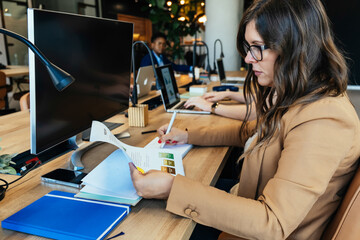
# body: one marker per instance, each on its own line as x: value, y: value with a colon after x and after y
x: 223, y: 18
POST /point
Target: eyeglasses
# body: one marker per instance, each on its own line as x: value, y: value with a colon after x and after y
x: 255, y: 50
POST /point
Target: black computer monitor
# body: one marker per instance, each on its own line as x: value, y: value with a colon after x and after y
x: 97, y: 53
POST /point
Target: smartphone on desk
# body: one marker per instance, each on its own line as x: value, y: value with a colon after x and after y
x: 64, y: 177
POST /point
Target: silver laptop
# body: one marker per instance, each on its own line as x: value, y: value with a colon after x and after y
x: 144, y: 79
x: 170, y: 93
x: 227, y: 80
x: 353, y: 91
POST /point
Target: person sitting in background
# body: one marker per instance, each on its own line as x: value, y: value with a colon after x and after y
x: 301, y: 151
x: 158, y: 46
x: 209, y: 102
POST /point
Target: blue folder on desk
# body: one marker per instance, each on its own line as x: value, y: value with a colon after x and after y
x: 59, y: 215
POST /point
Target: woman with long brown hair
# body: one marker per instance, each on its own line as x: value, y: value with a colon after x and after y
x: 303, y: 147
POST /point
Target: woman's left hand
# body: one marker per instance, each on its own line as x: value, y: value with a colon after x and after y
x: 152, y: 184
x: 198, y: 102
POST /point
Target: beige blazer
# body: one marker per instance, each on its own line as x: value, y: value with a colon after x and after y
x: 289, y: 188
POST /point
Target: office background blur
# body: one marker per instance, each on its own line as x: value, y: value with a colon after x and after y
x: 207, y: 16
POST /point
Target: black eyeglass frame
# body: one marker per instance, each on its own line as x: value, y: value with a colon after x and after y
x: 248, y: 47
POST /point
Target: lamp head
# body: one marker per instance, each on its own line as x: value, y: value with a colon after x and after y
x: 59, y: 77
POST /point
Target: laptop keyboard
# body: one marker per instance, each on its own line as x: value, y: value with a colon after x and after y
x: 181, y: 106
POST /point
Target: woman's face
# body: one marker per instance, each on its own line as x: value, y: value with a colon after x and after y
x: 264, y: 69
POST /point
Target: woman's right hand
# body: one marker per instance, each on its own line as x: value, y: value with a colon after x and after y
x: 175, y: 136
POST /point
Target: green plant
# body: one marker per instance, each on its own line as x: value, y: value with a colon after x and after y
x: 175, y: 21
x: 5, y: 161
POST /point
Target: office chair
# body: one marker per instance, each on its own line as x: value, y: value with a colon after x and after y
x: 3, y: 90
x: 19, y: 81
x: 25, y: 102
x: 346, y: 222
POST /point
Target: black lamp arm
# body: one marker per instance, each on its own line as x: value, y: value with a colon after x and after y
x: 221, y: 54
x: 37, y: 52
x: 134, y: 99
x: 207, y: 55
x: 59, y: 77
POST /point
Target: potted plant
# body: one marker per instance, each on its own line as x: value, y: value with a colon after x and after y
x: 5, y: 162
x: 176, y: 21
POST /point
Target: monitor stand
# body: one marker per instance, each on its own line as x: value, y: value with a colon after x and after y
x: 26, y: 160
x: 77, y: 154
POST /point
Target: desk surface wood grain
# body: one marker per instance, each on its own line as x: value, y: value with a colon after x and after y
x: 148, y: 219
x: 16, y: 71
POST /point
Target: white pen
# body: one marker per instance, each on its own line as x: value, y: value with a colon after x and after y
x: 169, y: 127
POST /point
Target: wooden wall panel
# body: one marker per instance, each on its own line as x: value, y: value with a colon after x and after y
x: 142, y: 27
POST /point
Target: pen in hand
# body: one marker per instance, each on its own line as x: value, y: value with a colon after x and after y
x: 169, y: 127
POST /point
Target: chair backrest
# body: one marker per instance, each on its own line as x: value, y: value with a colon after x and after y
x: 25, y: 102
x: 3, y: 90
x: 346, y: 222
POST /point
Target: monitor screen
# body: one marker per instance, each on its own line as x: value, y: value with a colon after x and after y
x: 97, y: 53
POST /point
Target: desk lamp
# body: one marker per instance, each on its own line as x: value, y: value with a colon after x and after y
x: 194, y: 59
x: 221, y: 54
x: 134, y: 99
x: 59, y: 77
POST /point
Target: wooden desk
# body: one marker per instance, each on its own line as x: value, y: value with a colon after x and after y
x: 147, y: 220
x: 16, y: 71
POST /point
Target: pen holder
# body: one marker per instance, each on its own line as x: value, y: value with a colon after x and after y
x: 138, y: 115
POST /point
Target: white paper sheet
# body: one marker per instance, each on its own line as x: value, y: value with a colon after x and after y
x: 166, y: 159
x: 111, y: 176
x: 183, y: 149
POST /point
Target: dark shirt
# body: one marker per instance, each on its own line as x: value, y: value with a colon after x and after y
x: 146, y: 61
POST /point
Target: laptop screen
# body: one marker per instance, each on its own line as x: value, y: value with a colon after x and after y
x: 168, y: 86
x: 144, y: 80
x: 221, y: 69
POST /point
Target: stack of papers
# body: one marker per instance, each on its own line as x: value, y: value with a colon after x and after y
x: 111, y: 180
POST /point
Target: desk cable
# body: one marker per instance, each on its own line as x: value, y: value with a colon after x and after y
x: 5, y: 186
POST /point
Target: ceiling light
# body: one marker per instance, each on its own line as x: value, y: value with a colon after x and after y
x: 203, y: 19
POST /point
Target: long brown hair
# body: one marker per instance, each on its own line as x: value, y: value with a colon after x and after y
x: 309, y: 65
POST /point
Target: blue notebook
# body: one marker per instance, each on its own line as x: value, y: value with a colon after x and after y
x: 59, y: 215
